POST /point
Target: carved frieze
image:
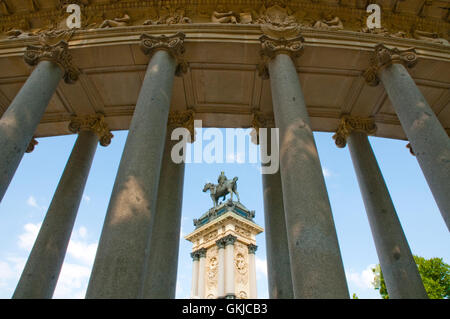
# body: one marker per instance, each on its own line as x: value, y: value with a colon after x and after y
x: 94, y: 123
x: 383, y: 57
x: 350, y: 124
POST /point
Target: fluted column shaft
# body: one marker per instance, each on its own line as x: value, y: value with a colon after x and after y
x: 42, y: 269
x: 229, y: 267
x: 201, y: 273
x: 396, y: 260
x: 194, y: 286
x: 428, y: 138
x: 252, y: 271
x: 120, y: 263
x: 313, y: 245
x: 221, y: 269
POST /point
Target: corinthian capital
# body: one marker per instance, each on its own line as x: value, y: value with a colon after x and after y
x: 53, y: 47
x: 173, y: 44
x: 182, y: 119
x: 94, y: 123
x: 383, y: 57
x: 270, y: 47
x: 351, y: 124
x: 261, y: 120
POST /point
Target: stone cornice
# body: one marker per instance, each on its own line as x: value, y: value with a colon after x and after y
x: 173, y: 44
x: 55, y: 48
x: 351, y: 124
x: 383, y: 57
x: 94, y: 123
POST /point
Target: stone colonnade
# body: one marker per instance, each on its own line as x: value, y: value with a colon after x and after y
x: 303, y: 249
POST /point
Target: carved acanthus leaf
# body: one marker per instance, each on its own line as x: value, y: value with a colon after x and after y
x: 383, y: 57
x: 173, y: 44
x: 182, y: 119
x: 351, y: 124
x: 94, y: 123
x: 54, y: 47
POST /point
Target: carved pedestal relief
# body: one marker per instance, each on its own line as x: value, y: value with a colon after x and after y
x: 226, y: 228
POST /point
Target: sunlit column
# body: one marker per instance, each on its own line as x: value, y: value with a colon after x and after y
x: 252, y: 271
x: 162, y: 252
x: 194, y: 289
x: 44, y: 264
x: 201, y: 273
x: 396, y: 260
x: 18, y: 124
x: 428, y: 138
x: 229, y: 267
x: 277, y: 250
x: 313, y: 245
x: 221, y: 268
x: 120, y: 263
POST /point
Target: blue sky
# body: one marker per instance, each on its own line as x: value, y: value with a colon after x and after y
x: 25, y: 204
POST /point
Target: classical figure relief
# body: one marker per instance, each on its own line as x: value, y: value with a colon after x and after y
x: 116, y: 22
x: 241, y: 265
x: 221, y: 15
x: 329, y: 23
x: 212, y: 268
x: 4, y: 8
x: 169, y: 15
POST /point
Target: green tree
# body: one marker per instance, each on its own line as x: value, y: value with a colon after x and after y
x: 435, y: 275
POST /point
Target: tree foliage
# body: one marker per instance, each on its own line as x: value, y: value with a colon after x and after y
x: 435, y: 275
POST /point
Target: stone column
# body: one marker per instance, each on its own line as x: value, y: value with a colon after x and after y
x: 162, y: 251
x: 42, y: 269
x: 194, y: 289
x: 229, y: 266
x: 428, y: 138
x: 252, y: 271
x: 221, y: 268
x: 120, y: 263
x: 201, y: 273
x: 18, y: 124
x: 312, y: 240
x: 396, y: 260
x: 278, y: 265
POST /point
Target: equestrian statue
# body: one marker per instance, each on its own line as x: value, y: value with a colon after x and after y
x: 225, y: 186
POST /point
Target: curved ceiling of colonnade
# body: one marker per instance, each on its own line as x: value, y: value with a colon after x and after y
x: 222, y: 83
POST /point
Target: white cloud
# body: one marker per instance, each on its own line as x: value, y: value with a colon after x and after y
x: 82, y: 232
x: 72, y: 281
x: 27, y: 239
x: 326, y: 172
x: 261, y: 266
x: 362, y: 279
x: 82, y: 251
x: 86, y: 198
x: 31, y: 201
x: 6, y: 273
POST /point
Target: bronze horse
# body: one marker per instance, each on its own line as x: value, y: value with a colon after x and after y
x: 217, y: 191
